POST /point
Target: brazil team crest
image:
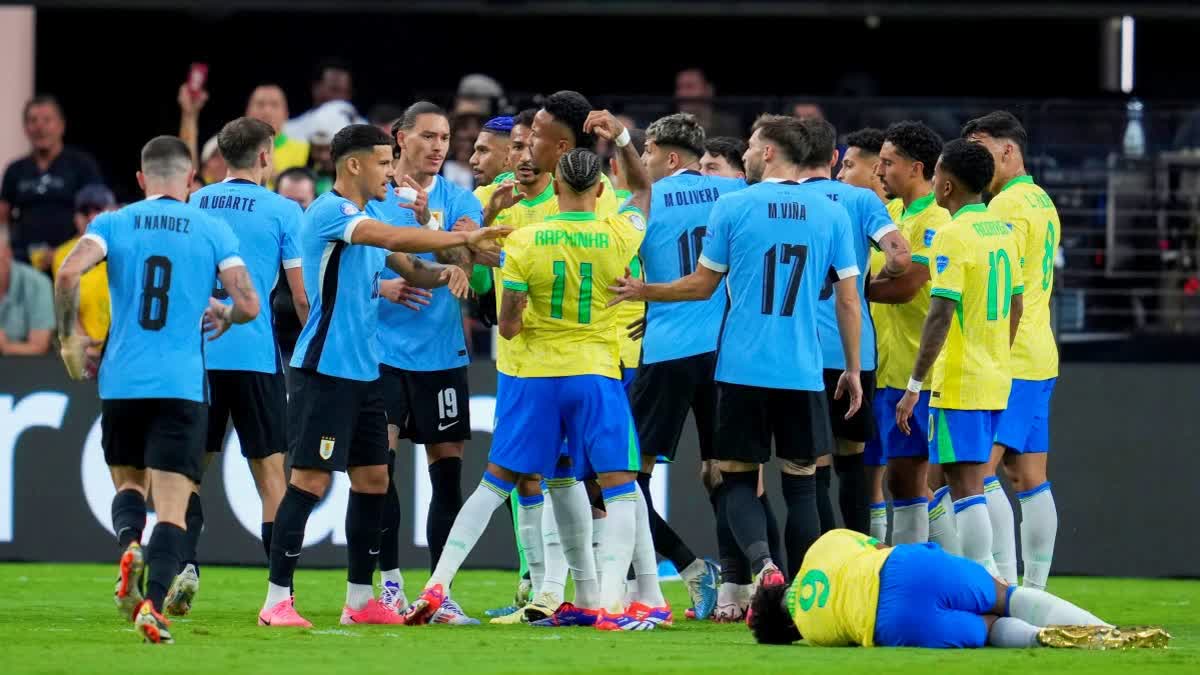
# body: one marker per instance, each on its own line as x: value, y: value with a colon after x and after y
x: 942, y: 262
x: 326, y: 448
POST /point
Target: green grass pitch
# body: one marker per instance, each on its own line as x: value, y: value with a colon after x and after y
x: 61, y: 619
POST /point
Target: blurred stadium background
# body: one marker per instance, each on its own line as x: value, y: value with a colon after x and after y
x: 1104, y: 88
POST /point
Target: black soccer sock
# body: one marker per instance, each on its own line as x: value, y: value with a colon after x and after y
x: 389, y: 528
x: 364, y: 514
x: 824, y: 504
x: 291, y: 518
x: 773, y: 538
x: 852, y: 492
x: 128, y: 516
x: 745, y: 516
x: 164, y: 556
x: 446, y: 477
x: 666, y: 542
x: 803, y: 524
x: 195, y: 526
x: 735, y: 569
x: 266, y: 530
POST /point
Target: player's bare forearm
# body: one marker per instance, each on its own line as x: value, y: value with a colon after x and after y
x: 512, y: 310
x: 900, y: 289
x: 849, y: 318
x: 82, y: 258
x: 1014, y: 317
x: 295, y: 279
x: 933, y: 335
x: 698, y: 285
x: 406, y: 239
x: 459, y: 255
x: 897, y: 254
x: 236, y: 282
x: 636, y: 177
x: 417, y: 271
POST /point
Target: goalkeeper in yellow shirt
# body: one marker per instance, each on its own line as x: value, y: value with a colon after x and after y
x: 853, y: 590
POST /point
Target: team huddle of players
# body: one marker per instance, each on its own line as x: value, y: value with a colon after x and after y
x: 888, y: 319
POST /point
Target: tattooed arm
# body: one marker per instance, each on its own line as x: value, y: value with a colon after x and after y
x: 424, y: 274
x: 219, y: 316
x: 512, y: 310
x: 73, y: 344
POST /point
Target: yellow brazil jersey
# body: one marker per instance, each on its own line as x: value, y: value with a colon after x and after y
x: 289, y: 154
x: 836, y: 592
x: 1037, y: 228
x: 975, y: 264
x: 895, y: 209
x: 564, y: 265
x: 628, y: 312
x: 95, y: 308
x: 537, y: 209
x: 898, y: 327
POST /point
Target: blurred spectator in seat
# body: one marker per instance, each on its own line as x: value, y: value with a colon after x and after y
x: 95, y: 313
x: 26, y: 305
x: 478, y: 94
x: 269, y: 104
x: 382, y: 115
x: 807, y: 110
x: 464, y: 129
x: 320, y: 161
x: 332, y: 88
x: 37, y: 196
x: 298, y: 185
x: 723, y: 157
x: 694, y: 94
x: 210, y: 165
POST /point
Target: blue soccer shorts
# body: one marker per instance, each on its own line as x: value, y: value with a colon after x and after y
x: 929, y: 598
x: 890, y: 441
x: 1025, y: 425
x: 961, y: 435
x: 590, y: 411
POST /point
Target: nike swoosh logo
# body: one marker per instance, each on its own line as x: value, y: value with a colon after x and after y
x: 375, y: 552
x: 443, y: 427
x: 292, y: 555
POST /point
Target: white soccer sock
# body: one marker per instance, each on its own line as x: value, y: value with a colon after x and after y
x: 357, y: 595
x: 275, y: 595
x: 942, y: 526
x: 555, y: 579
x: 393, y: 576
x: 529, y: 534
x: 879, y: 521
x: 1011, y: 632
x: 468, y: 527
x: 620, y: 536
x: 1004, y: 536
x: 1039, y: 526
x: 910, y: 521
x: 975, y: 531
x: 597, y: 537
x: 573, y: 513
x: 1042, y: 609
x: 645, y: 562
x: 694, y: 570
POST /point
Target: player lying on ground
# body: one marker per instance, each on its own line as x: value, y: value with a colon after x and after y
x: 853, y: 590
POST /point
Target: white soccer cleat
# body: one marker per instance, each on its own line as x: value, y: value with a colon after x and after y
x: 452, y: 615
x: 392, y: 597
x: 183, y: 591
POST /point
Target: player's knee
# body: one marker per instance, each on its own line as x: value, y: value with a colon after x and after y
x: 793, y: 468
x: 438, y: 451
x: 824, y: 460
x: 710, y: 475
x: 846, y: 448
x: 372, y: 480
x: 312, y: 481
x: 648, y: 462
x: 734, y: 466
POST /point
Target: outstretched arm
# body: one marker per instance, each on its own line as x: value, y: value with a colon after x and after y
x: 424, y: 274
x: 698, y: 285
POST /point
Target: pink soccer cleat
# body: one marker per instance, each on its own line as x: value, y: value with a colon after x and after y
x: 424, y: 607
x: 373, y: 612
x: 283, y: 615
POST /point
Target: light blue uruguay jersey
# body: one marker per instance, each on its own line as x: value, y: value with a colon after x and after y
x: 869, y: 222
x: 342, y: 281
x: 776, y: 242
x: 680, y: 206
x: 266, y: 226
x: 163, y: 258
x: 432, y: 338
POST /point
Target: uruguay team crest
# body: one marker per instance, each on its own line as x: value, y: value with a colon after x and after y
x: 437, y: 221
x: 349, y: 209
x: 326, y: 448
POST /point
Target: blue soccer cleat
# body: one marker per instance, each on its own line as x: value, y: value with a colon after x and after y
x: 568, y: 614
x: 703, y: 590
